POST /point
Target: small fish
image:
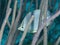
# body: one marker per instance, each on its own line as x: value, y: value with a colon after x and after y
x: 34, y: 26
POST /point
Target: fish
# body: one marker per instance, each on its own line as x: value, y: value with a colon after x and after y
x: 34, y: 26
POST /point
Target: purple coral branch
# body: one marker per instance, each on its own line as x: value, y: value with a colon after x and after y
x: 35, y: 38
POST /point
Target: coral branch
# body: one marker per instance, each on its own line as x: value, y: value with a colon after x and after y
x: 14, y: 27
x: 4, y: 23
x: 26, y: 30
x: 42, y: 26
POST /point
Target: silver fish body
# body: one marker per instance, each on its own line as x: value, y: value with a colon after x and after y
x: 34, y: 26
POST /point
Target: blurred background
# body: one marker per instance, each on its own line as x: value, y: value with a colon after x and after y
x: 54, y: 28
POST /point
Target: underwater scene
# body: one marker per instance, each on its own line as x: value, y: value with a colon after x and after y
x: 29, y: 22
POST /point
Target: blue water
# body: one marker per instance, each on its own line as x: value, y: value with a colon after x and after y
x: 53, y: 34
